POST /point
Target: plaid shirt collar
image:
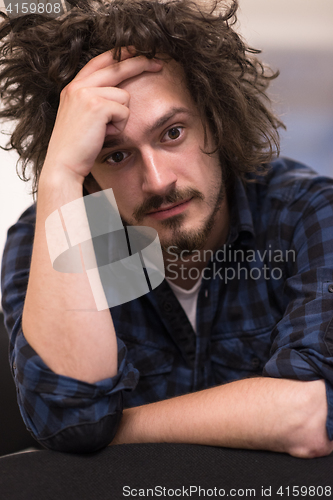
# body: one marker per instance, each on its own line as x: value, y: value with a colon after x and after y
x: 241, y: 221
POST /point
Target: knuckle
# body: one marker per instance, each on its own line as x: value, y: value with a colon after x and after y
x: 82, y: 93
x: 93, y: 102
x: 125, y: 96
x: 71, y: 88
x: 315, y: 446
x: 63, y: 93
x: 126, y: 112
x: 68, y: 90
x: 75, y: 91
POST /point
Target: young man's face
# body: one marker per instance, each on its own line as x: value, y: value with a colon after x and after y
x: 157, y: 170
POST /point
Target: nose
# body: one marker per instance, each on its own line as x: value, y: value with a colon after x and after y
x: 158, y: 175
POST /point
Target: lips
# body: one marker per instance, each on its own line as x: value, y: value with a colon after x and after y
x: 169, y: 207
x: 169, y: 210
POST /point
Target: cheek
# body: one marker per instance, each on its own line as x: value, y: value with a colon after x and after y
x: 127, y: 196
x: 120, y: 190
x: 209, y: 170
x: 122, y: 184
x: 191, y: 163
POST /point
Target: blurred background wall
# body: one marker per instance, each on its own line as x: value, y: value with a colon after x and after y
x: 296, y: 36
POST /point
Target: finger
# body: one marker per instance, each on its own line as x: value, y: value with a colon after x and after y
x: 113, y: 75
x: 113, y: 94
x: 117, y: 118
x: 85, y: 98
x: 103, y: 60
x: 98, y: 105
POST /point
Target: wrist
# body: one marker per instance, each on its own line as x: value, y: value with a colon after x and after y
x: 59, y: 184
x: 128, y: 430
x: 59, y: 173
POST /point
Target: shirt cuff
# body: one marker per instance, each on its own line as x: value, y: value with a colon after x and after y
x: 64, y: 413
x: 291, y: 364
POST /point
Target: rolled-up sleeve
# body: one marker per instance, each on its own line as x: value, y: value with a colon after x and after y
x: 302, y: 342
x: 62, y: 413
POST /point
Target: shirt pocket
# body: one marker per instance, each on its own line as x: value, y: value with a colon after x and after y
x: 154, y: 366
x: 240, y: 355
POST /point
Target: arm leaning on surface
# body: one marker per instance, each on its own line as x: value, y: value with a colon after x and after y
x: 62, y: 413
x: 70, y: 348
x: 259, y: 413
x: 69, y: 383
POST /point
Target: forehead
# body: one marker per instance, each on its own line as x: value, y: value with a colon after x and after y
x: 152, y: 93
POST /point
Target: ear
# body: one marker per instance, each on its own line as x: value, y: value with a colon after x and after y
x: 91, y: 185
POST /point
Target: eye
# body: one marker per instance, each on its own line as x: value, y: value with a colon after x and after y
x: 117, y: 157
x: 173, y: 133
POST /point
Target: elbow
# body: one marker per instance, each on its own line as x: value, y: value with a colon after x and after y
x: 84, y: 437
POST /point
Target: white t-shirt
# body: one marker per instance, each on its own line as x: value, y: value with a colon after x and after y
x: 188, y: 300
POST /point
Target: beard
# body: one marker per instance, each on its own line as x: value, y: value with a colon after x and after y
x: 182, y: 239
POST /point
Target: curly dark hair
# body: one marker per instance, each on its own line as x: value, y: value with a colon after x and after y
x: 40, y: 56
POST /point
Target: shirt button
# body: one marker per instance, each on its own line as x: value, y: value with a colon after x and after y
x: 167, y: 307
x: 330, y: 288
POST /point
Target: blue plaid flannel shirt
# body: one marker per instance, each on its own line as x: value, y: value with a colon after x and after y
x: 265, y: 308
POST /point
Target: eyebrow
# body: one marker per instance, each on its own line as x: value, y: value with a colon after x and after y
x: 119, y: 141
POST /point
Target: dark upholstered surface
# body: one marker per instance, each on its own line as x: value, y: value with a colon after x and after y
x: 103, y: 475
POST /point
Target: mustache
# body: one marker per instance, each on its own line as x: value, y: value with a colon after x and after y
x: 156, y: 201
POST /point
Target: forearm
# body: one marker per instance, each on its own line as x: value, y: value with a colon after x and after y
x: 262, y: 413
x: 60, y: 318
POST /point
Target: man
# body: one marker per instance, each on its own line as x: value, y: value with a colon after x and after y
x: 173, y: 120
